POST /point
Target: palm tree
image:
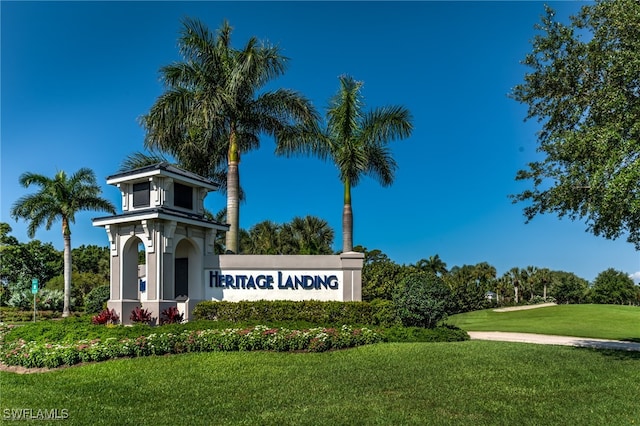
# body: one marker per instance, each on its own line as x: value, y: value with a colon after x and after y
x: 515, y: 275
x: 354, y: 140
x: 544, y: 276
x: 485, y: 274
x: 212, y: 112
x: 530, y: 280
x: 433, y: 264
x: 59, y: 198
x: 263, y: 238
x: 311, y: 235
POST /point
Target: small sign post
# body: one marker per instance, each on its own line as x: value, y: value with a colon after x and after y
x: 34, y: 290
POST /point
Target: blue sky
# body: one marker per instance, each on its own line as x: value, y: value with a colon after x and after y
x: 75, y: 77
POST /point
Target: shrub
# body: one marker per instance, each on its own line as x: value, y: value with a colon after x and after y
x: 378, y: 313
x: 171, y: 315
x: 140, y: 316
x: 21, y: 300
x: 46, y: 300
x: 95, y: 300
x: 260, y: 337
x: 106, y: 317
x: 50, y: 300
x: 442, y: 333
x: 421, y: 299
x: 9, y: 314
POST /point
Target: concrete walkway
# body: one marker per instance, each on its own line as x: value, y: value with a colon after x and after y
x: 543, y: 339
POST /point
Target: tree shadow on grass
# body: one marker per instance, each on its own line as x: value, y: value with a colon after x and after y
x: 616, y: 354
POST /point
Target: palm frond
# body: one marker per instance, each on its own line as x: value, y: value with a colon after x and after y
x: 141, y: 159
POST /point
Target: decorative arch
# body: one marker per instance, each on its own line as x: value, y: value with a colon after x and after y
x: 188, y: 270
x: 129, y: 257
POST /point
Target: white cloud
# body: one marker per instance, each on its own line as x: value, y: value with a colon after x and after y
x: 635, y: 277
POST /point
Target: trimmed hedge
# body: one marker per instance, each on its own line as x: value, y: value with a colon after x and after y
x: 10, y: 314
x: 377, y: 313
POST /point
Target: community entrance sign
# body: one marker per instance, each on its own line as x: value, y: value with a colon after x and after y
x: 163, y: 215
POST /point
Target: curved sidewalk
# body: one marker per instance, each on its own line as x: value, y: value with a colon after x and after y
x: 542, y: 339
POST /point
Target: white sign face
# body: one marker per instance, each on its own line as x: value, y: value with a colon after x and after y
x: 239, y: 285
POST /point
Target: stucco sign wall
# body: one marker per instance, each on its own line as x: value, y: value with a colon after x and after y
x: 243, y: 277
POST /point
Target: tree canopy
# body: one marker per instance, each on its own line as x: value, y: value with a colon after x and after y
x: 215, y: 108
x: 355, y: 140
x: 60, y: 198
x: 583, y: 87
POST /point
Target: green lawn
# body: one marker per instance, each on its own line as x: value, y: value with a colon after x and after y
x: 473, y: 382
x: 597, y: 321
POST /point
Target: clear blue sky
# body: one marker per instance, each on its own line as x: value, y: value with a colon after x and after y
x: 77, y: 75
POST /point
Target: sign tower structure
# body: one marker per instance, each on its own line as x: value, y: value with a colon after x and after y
x: 163, y: 216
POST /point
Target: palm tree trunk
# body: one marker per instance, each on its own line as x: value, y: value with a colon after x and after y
x: 347, y: 219
x: 66, y: 234
x: 233, y: 198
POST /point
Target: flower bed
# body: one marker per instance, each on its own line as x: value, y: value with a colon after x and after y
x: 51, y: 355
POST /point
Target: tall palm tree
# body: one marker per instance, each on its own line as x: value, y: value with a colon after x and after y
x: 544, y: 277
x: 355, y: 140
x: 515, y: 275
x: 212, y: 112
x: 60, y: 198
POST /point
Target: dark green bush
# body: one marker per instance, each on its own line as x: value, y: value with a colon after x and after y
x: 421, y: 299
x: 73, y: 329
x: 95, y: 300
x: 442, y: 333
x: 312, y: 311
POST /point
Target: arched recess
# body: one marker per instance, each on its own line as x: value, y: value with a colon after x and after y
x: 132, y: 251
x: 188, y: 270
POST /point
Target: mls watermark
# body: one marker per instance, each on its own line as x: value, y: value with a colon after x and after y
x: 35, y: 414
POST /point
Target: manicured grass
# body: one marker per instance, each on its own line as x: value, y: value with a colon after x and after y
x: 596, y: 321
x: 471, y: 382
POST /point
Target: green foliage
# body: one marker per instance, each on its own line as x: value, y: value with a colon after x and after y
x: 215, y: 76
x: 356, y: 141
x: 32, y: 354
x: 469, y: 285
x: 46, y: 300
x: 91, y: 258
x: 21, y: 262
x: 96, y: 299
x: 614, y: 287
x: 308, y: 235
x: 583, y: 88
x: 380, y: 276
x: 421, y: 299
x: 569, y: 288
x: 313, y: 311
x: 59, y: 198
x: 15, y: 315
x: 82, y: 283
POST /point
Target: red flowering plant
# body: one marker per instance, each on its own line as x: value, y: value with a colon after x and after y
x: 140, y: 316
x: 106, y: 317
x: 171, y: 315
